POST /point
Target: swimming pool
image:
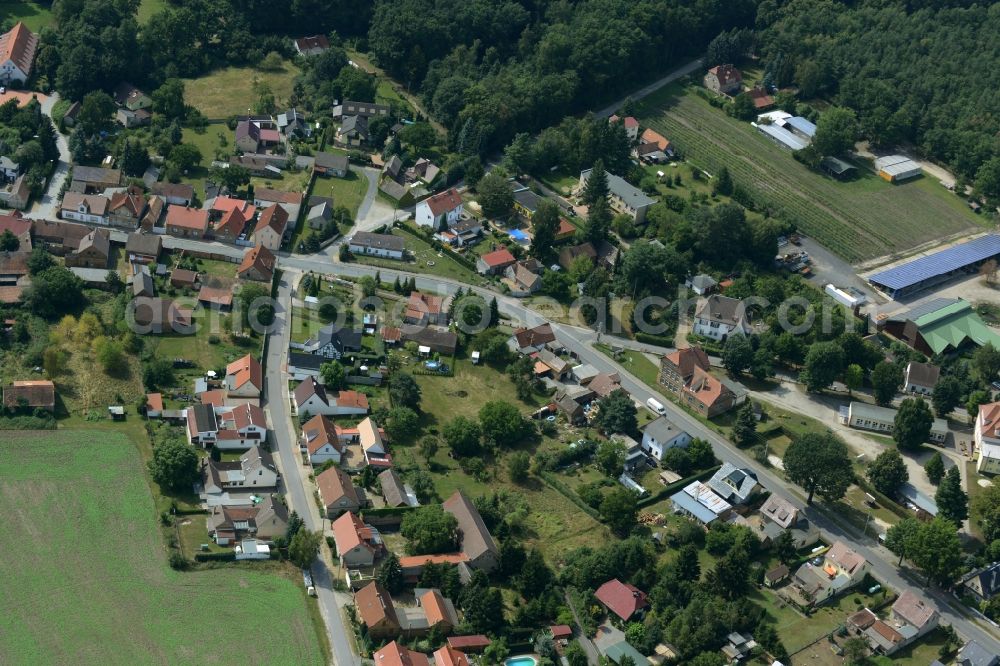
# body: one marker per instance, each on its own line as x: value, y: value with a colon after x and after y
x: 521, y: 660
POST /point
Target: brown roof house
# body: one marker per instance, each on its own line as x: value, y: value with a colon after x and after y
x: 30, y: 394
x: 265, y: 521
x: 258, y: 264
x: 723, y: 79
x: 475, y: 540
x: 496, y: 262
x: 530, y: 340
x: 17, y: 53
x: 271, y: 227
x: 920, y: 378
x: 94, y: 251
x: 358, y: 544
x: 312, y: 45
x: 841, y: 569
x: 685, y: 373
x: 337, y: 492
x: 127, y: 208
x: 185, y: 222
x: 376, y: 611
x: 143, y: 248
x: 244, y: 378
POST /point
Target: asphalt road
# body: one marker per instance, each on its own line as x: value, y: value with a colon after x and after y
x: 48, y: 204
x: 295, y: 476
x: 645, y: 91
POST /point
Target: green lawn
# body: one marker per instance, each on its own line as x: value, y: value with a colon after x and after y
x: 149, y: 7
x: 36, y: 15
x: 562, y: 182
x: 198, y: 348
x: 426, y: 260
x: 90, y: 581
x: 858, y: 220
x: 229, y: 91
x: 348, y: 191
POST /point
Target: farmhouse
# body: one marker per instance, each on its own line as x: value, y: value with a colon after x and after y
x: 258, y: 264
x: 723, y: 79
x: 718, y: 317
x: 425, y: 309
x: 94, y: 251
x: 439, y: 211
x: 30, y: 394
x: 358, y: 544
x: 987, y: 438
x: 918, y: 274
x: 17, y: 53
x: 377, y: 245
x: 476, y: 543
x: 863, y: 416
x: 623, y: 197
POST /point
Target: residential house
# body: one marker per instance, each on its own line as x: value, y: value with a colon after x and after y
x: 913, y: 616
x: 778, y: 515
x: 358, y: 544
x: 569, y: 407
x: 128, y: 118
x: 393, y: 489
x: 777, y: 575
x: 661, y: 435
x: 155, y: 205
x: 525, y: 201
x: 334, y: 343
x: 126, y: 208
x: 724, y: 79
x: 565, y: 231
x: 920, y: 378
x: 312, y: 45
x: 623, y: 197
x: 496, y: 262
x: 244, y: 378
x: 433, y: 339
x: 185, y: 222
x: 161, y: 315
x: 604, y: 384
x: 30, y: 394
x: 309, y: 397
x: 17, y: 53
x: 983, y: 583
x: 258, y: 265
x: 568, y: 255
x: 522, y: 280
x: 363, y: 109
x: 697, y: 500
x: 175, y: 194
x: 16, y: 195
x: 438, y: 611
x: 474, y: 643
x: 271, y: 227
x: 373, y: 444
x: 449, y: 656
x: 391, y: 335
x: 623, y: 599
x: 530, y: 340
x: 252, y: 137
x: 377, y: 245
x: 702, y: 284
x: 293, y: 123
x: 554, y: 365
x: 423, y: 309
x: 330, y: 164
x: 654, y: 147
x: 88, y: 208
x: 266, y: 521
x: 630, y: 124
x: 231, y: 227
x: 94, y: 251
x: 353, y: 131
x: 127, y: 95
x: 462, y: 233
x: 9, y: 169
x: 92, y: 180
x: 475, y: 540
x: 685, y: 373
x: 337, y: 493
x: 256, y: 165
x: 439, y: 211
x: 202, y: 425
x: 717, y: 317
x: 395, y: 654
x: 320, y: 439
x: 841, y: 569
x: 142, y: 248
x: 255, y: 471
x: 319, y: 215
x: 734, y: 484
x: 762, y: 100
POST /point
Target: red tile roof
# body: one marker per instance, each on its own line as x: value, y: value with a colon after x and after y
x: 443, y: 202
x: 468, y: 642
x: 497, y: 258
x: 420, y: 304
x: 352, y: 399
x: 313, y: 42
x: 231, y: 224
x: 349, y: 532
x: 247, y: 415
x: 533, y: 337
x: 218, y: 295
x: 449, y: 656
x: 187, y: 218
x: 277, y: 196
x: 334, y: 484
x: 216, y: 398
x: 154, y: 401
x: 622, y: 599
x: 688, y: 359
x: 561, y: 631
x: 275, y: 217
x: 374, y: 606
x: 391, y: 334
x: 259, y: 258
x: 651, y: 136
x: 320, y: 431
x: 395, y: 654
x: 15, y: 224
x: 421, y: 560
x: 434, y: 607
x: 19, y: 46
x: 246, y: 369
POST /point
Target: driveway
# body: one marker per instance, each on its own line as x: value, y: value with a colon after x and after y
x: 295, y: 476
x: 47, y: 206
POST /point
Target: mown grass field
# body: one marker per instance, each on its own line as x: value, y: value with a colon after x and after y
x: 230, y: 91
x: 348, y: 191
x: 859, y: 219
x: 86, y: 577
x: 34, y: 14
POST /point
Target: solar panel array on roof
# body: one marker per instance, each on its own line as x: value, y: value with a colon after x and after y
x: 939, y: 263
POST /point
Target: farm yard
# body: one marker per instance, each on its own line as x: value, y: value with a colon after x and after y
x: 93, y: 584
x: 858, y: 220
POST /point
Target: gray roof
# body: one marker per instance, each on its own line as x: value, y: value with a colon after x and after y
x: 922, y: 374
x: 527, y: 198
x: 633, y: 196
x: 693, y: 506
x: 378, y: 241
x: 392, y: 488
x: 802, y: 125
x: 332, y: 161
x: 142, y: 284
x: 989, y: 579
x: 341, y: 338
x: 476, y: 538
x: 356, y: 123
x: 96, y: 174
x: 974, y: 654
x: 733, y: 484
x: 204, y: 418
x: 722, y: 309
x: 783, y: 136
x: 703, y: 281
x: 662, y: 429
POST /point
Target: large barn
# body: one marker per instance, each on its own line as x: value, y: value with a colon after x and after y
x: 919, y: 274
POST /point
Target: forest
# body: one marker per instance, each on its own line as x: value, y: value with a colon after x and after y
x: 920, y: 71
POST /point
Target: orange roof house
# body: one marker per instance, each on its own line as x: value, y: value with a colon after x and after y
x: 17, y: 53
x: 395, y: 654
x: 258, y: 264
x: 245, y: 377
x: 187, y: 222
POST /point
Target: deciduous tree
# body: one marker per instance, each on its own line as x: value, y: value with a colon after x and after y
x: 951, y: 500
x: 912, y: 425
x: 819, y: 463
x: 888, y: 472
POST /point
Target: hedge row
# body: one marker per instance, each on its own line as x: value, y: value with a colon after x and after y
x: 650, y: 339
x: 672, y: 488
x: 389, y: 511
x: 215, y: 557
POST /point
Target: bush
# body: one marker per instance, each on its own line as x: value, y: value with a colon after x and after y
x: 229, y: 556
x: 178, y: 561
x: 213, y: 339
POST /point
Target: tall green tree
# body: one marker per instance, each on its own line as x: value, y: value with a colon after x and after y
x: 836, y: 131
x: 174, y: 465
x: 900, y: 537
x: 495, y: 196
x: 934, y: 467
x: 389, y: 574
x: 947, y: 395
x: 737, y: 354
x: 886, y: 379
x: 544, y: 227
x: 853, y: 377
x: 404, y: 390
x: 617, y: 413
x: 502, y: 423
x: 951, y: 500
x: 745, y: 428
x: 304, y: 547
x: 333, y: 374
x: 986, y: 363
x: 819, y: 463
x: 619, y: 509
x: 888, y: 472
x: 596, y: 187
x: 937, y: 551
x: 429, y: 529
x: 912, y: 425
x: 462, y: 435
x: 824, y: 362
